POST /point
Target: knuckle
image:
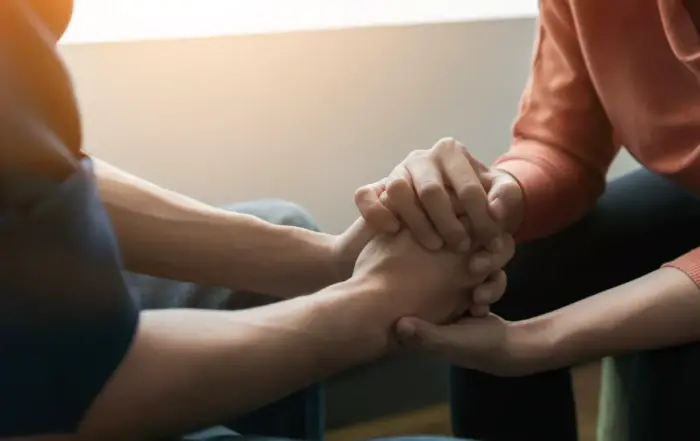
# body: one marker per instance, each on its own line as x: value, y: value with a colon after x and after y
x: 416, y: 155
x: 430, y: 190
x: 470, y: 191
x: 362, y: 194
x: 448, y: 144
x: 397, y: 187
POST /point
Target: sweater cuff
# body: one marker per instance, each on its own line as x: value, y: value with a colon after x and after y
x: 537, y: 190
x: 689, y: 263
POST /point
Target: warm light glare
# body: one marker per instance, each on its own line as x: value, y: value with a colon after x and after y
x: 123, y: 20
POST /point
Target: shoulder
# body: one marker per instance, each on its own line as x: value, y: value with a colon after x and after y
x: 55, y: 13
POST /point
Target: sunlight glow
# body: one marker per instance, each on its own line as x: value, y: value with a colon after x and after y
x: 124, y: 20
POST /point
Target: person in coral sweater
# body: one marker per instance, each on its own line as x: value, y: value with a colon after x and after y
x: 599, y: 270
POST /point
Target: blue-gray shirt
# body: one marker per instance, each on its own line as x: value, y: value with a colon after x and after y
x: 66, y: 316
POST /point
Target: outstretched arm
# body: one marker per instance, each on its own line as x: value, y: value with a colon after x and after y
x: 189, y: 368
x: 165, y: 234
x: 657, y: 310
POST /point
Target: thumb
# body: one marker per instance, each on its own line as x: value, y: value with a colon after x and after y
x: 350, y: 244
x: 417, y: 333
x: 504, y: 198
x: 361, y: 233
x: 368, y: 200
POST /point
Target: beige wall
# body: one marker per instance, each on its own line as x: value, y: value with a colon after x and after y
x: 301, y: 116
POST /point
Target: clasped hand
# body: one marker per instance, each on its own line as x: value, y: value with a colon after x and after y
x: 448, y: 222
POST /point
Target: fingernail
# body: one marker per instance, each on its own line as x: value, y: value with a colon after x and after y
x: 383, y: 198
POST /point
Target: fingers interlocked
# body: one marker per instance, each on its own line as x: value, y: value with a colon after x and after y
x: 443, y: 196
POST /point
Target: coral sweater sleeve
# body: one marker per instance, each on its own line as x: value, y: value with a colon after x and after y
x: 562, y: 140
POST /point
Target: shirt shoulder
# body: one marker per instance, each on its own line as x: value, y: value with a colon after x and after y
x: 56, y: 14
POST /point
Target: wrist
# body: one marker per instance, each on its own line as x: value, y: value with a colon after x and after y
x: 348, y: 246
x: 557, y: 339
x: 342, y: 259
x: 358, y: 308
x: 537, y: 344
x: 317, y: 259
x: 330, y: 269
x: 656, y: 310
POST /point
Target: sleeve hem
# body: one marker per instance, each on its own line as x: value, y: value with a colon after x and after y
x: 528, y: 227
x: 688, y: 263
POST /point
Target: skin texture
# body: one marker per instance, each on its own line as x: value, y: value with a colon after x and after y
x: 656, y: 310
x: 446, y: 197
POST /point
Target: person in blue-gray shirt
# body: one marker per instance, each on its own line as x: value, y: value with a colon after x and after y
x: 79, y: 360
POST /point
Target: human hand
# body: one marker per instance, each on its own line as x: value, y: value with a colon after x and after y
x: 493, y: 287
x: 431, y: 285
x: 444, y: 196
x: 348, y: 245
x: 488, y: 344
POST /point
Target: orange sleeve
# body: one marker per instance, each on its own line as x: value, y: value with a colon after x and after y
x: 689, y: 263
x: 562, y: 140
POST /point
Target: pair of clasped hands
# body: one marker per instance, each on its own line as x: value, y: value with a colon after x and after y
x: 442, y: 226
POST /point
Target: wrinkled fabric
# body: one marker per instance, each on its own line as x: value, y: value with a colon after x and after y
x: 66, y: 316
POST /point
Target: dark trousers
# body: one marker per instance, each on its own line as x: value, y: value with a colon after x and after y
x: 640, y: 222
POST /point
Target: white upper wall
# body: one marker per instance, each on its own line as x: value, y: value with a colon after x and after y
x: 129, y: 20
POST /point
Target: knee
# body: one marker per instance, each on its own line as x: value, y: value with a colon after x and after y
x: 671, y: 371
x: 650, y: 392
x: 538, y: 281
x: 294, y: 215
x: 277, y: 211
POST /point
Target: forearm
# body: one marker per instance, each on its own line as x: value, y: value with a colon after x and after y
x: 193, y: 368
x: 657, y: 310
x: 165, y: 234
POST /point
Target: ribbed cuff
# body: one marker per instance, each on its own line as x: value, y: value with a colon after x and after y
x: 689, y: 263
x: 538, y: 190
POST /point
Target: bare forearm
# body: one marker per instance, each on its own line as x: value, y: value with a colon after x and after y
x: 165, y: 234
x: 657, y: 310
x: 192, y: 368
